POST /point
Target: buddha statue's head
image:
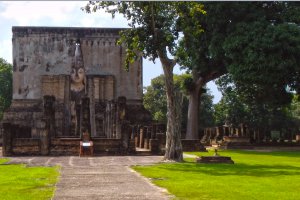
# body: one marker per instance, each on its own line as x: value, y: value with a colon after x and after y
x: 78, y: 71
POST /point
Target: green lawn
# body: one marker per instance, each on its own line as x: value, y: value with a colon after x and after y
x: 255, y: 175
x: 21, y: 182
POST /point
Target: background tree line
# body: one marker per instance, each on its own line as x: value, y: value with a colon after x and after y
x: 233, y: 108
x: 5, y: 85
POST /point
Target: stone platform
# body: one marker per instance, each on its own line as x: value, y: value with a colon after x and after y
x: 214, y: 159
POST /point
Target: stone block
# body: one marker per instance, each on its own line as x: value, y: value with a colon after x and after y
x: 214, y: 159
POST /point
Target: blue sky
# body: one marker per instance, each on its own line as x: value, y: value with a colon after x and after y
x: 69, y: 14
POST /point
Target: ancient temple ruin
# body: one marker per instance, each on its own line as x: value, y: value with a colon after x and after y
x: 67, y: 81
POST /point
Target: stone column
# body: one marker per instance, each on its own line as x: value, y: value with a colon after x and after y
x: 67, y: 108
x: 7, y: 140
x: 226, y: 131
x: 126, y: 132
x: 85, y: 124
x: 153, y: 131
x: 146, y: 136
x: 49, y: 113
x: 137, y: 136
x: 142, y: 134
x: 121, y: 116
x: 43, y: 128
x: 92, y: 95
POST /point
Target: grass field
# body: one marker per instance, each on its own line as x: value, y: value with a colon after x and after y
x: 255, y: 175
x: 20, y: 182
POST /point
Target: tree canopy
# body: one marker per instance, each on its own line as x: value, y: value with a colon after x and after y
x: 257, y: 43
x: 5, y: 85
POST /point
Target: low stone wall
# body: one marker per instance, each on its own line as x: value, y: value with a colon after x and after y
x: 107, y: 146
x: 65, y: 146
x: 26, y: 146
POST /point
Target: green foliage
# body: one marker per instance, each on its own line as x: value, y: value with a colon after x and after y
x: 152, y: 26
x: 19, y: 182
x: 265, y: 57
x: 155, y: 101
x: 258, y: 43
x: 255, y: 175
x: 5, y: 85
x: 236, y: 108
x: 230, y: 109
x: 294, y: 108
x: 206, y: 110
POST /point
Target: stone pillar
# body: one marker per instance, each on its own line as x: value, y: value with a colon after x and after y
x: 7, y: 140
x: 137, y: 136
x: 49, y: 113
x: 142, y: 135
x: 126, y: 132
x: 121, y: 116
x: 243, y: 131
x: 226, y: 131
x: 146, y: 136
x: 85, y: 125
x: 44, y: 127
x: 153, y: 131
x: 91, y: 95
x: 67, y: 108
x: 132, y: 134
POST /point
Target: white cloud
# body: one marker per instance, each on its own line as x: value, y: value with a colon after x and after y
x: 57, y: 13
x: 25, y: 13
x: 6, y: 50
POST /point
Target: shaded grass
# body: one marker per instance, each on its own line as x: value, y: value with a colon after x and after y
x: 255, y: 175
x: 20, y: 182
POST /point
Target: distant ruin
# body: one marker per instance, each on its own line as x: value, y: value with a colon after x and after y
x: 67, y: 81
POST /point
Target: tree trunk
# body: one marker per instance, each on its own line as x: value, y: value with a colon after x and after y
x: 173, y: 134
x: 193, y: 113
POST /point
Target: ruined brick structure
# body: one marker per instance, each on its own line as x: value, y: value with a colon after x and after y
x: 67, y: 81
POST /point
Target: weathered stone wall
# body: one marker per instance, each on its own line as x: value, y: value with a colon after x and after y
x: 67, y: 81
x: 49, y: 51
x: 26, y: 146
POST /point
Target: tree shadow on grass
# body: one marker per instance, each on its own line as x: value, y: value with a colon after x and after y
x: 295, y: 154
x: 235, y: 169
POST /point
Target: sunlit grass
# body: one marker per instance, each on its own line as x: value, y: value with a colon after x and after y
x: 20, y: 182
x: 255, y: 175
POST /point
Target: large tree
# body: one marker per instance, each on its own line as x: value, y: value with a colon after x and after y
x: 154, y: 33
x: 243, y: 39
x: 155, y: 101
x: 5, y: 85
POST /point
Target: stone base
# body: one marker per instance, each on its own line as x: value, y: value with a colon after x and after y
x: 214, y: 159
